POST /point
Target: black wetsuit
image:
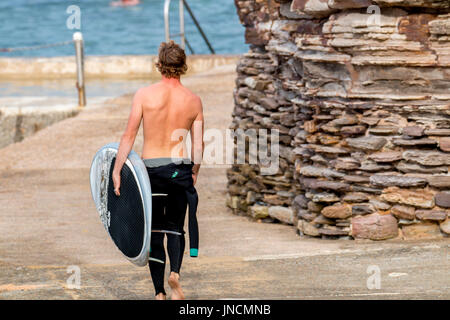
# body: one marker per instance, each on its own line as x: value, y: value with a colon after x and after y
x: 172, y: 192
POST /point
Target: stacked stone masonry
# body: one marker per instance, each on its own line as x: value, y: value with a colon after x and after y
x: 359, y: 91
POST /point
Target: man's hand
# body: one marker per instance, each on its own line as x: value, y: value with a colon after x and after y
x: 116, y: 181
x: 194, y: 177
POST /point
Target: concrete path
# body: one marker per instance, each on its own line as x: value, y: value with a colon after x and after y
x: 49, y: 229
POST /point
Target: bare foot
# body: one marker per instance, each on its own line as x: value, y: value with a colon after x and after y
x: 174, y: 283
x: 160, y: 296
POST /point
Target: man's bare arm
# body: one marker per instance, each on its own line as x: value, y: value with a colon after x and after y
x: 197, y: 145
x: 127, y: 140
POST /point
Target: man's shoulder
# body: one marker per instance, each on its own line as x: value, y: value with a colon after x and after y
x: 147, y: 89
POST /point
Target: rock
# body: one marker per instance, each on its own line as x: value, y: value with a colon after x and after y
x: 345, y: 120
x: 259, y: 212
x: 320, y: 219
x: 442, y: 199
x: 314, y: 207
x: 445, y: 226
x: 251, y: 197
x: 372, y: 166
x: 413, y: 131
x: 315, y: 8
x: 371, y: 121
x: 435, y: 215
x: 325, y: 197
x: 352, y: 130
x: 380, y: 205
x: 427, y: 158
x: 400, y: 181
x: 416, y: 198
x: 333, y: 231
x: 345, y: 164
x: 233, y: 202
x: 301, y: 201
x: 437, y: 132
x: 423, y: 230
x: 269, y: 103
x: 367, y: 143
x: 307, y: 228
x: 285, y: 11
x: 360, y: 209
x: 311, y: 171
x: 330, y: 150
x: 384, y: 130
x: 324, y: 184
x: 439, y: 181
x: 275, y: 200
x: 407, y: 167
x: 337, y: 211
x: 403, y: 212
x: 282, y: 214
x: 327, y: 139
x: 356, y: 197
x: 310, y: 126
x: 414, y: 142
x: 374, y: 226
x: 356, y: 179
x: 388, y: 156
x: 444, y: 144
x: 306, y: 215
x: 366, y: 189
x: 254, y: 84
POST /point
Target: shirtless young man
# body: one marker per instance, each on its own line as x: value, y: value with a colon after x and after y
x: 169, y: 111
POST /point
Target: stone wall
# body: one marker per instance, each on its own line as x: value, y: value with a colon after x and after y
x: 360, y: 93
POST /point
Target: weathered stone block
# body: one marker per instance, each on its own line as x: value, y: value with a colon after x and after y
x: 307, y: 228
x: 388, y: 156
x: 427, y: 158
x: 442, y: 199
x: 423, y: 230
x: 435, y: 215
x: 403, y: 212
x: 444, y: 144
x: 337, y: 211
x: 445, y: 226
x: 399, y: 181
x: 259, y: 212
x: 325, y: 197
x: 415, y: 198
x: 367, y: 143
x: 282, y: 214
x: 363, y: 208
x: 374, y: 227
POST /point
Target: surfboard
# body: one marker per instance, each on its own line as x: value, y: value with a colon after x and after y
x: 126, y: 218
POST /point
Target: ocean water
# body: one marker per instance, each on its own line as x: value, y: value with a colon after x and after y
x: 109, y: 30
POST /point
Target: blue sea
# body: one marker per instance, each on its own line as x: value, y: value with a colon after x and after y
x: 109, y: 30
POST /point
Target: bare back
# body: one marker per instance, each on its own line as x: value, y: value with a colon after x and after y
x: 168, y: 113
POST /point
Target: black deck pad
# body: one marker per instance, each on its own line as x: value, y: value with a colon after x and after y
x: 127, y: 222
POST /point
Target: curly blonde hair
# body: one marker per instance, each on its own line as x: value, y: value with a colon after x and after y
x: 171, y: 60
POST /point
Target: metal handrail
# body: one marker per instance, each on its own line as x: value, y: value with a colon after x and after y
x: 184, y: 41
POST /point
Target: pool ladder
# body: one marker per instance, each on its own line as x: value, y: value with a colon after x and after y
x: 182, y: 35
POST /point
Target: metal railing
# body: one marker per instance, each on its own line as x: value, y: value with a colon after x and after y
x: 77, y: 40
x: 182, y: 34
